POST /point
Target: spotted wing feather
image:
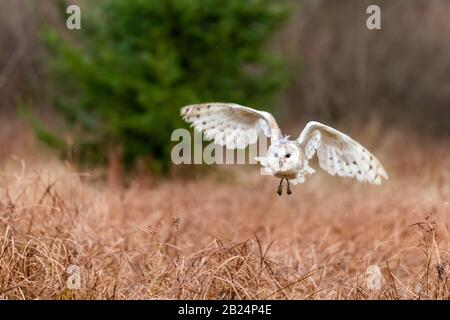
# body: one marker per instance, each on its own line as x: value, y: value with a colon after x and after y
x: 338, y: 154
x: 229, y: 124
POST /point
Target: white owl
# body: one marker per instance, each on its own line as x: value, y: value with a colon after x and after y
x: 235, y: 126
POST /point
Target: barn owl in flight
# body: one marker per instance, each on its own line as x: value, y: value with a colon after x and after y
x: 232, y: 124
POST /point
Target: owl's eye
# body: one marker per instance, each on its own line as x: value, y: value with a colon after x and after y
x: 288, y: 155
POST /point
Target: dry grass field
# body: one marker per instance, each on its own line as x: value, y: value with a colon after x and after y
x: 227, y: 235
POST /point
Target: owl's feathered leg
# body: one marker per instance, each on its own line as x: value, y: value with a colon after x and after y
x: 288, y: 188
x: 280, y: 187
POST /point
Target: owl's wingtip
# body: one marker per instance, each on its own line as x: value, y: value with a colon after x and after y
x: 383, y: 173
x: 184, y: 110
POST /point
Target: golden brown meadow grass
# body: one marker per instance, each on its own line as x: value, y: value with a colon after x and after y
x: 227, y: 238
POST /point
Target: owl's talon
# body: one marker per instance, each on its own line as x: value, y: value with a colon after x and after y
x: 280, y: 187
x: 288, y: 188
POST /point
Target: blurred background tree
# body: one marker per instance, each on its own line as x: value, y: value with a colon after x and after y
x: 121, y: 84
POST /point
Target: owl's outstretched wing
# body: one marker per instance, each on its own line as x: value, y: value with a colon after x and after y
x: 339, y: 154
x: 230, y: 124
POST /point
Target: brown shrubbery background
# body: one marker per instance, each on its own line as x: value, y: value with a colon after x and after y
x: 226, y: 234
